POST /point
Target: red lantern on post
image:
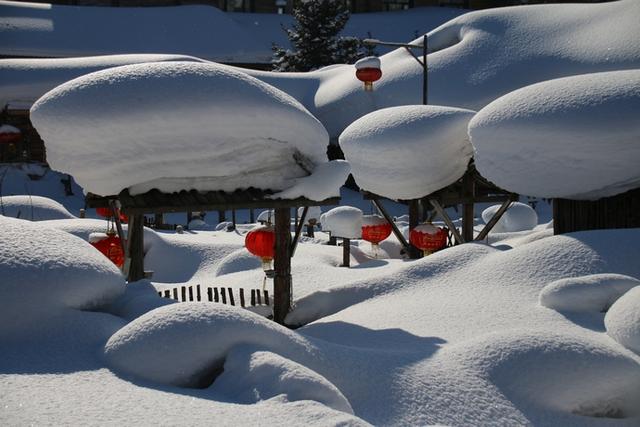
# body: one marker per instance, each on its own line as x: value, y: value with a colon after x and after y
x: 368, y: 71
x: 111, y: 247
x: 104, y: 212
x: 261, y: 242
x: 375, y: 229
x: 428, y: 238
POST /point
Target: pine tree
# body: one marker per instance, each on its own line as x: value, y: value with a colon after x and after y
x: 314, y: 38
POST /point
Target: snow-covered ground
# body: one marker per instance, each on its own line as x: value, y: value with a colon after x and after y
x: 525, y: 328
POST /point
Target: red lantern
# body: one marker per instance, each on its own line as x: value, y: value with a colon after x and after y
x: 111, y: 248
x: 104, y: 212
x: 428, y: 238
x: 9, y: 134
x: 368, y: 75
x: 261, y: 242
x: 376, y: 233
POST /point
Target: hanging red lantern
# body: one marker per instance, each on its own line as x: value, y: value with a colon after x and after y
x: 104, y: 212
x: 9, y: 134
x: 368, y: 71
x: 111, y: 247
x: 375, y: 229
x: 261, y: 242
x: 428, y: 238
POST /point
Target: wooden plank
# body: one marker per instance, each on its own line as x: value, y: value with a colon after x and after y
x: 231, y: 299
x: 209, y: 294
x: 223, y: 295
x: 258, y: 297
x: 266, y: 297
x: 253, y: 297
x: 467, y: 208
x: 183, y: 291
x: 447, y: 220
x: 216, y: 297
x: 198, y: 294
x: 175, y: 294
x: 167, y: 293
x: 190, y: 293
x: 282, y: 265
x: 242, y: 297
x: 414, y: 219
x: 299, y: 225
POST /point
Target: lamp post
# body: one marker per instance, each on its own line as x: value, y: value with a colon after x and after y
x: 409, y: 47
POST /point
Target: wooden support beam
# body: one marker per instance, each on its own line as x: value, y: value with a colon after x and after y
x: 394, y: 227
x: 113, y: 204
x: 136, y: 248
x: 443, y: 214
x: 494, y: 220
x: 467, y: 208
x: 414, y: 220
x: 282, y: 265
x: 299, y: 224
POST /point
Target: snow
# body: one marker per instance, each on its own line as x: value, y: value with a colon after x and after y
x: 77, y: 275
x: 519, y: 217
x: 266, y: 216
x: 313, y: 213
x: 368, y: 62
x: 236, y: 131
x: 9, y: 129
x: 343, y: 221
x: 33, y: 208
x: 32, y: 30
x: 369, y: 220
x: 24, y: 80
x: 623, y: 320
x: 408, y: 152
x: 589, y: 294
x: 324, y: 183
x: 548, y: 139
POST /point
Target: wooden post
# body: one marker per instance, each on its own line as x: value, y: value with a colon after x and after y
x: 159, y: 220
x: 414, y: 219
x: 282, y: 265
x: 242, y: 297
x: 136, y: 248
x: 467, y: 208
x: 296, y: 237
x: 222, y: 216
x: 233, y: 219
x: 252, y: 216
x: 346, y: 253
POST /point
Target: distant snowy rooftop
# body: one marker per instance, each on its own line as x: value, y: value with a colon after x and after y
x: 44, y: 30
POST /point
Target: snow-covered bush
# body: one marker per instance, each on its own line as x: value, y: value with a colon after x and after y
x: 343, y: 221
x: 518, y: 217
x: 623, y: 320
x: 594, y: 293
x: 408, y: 152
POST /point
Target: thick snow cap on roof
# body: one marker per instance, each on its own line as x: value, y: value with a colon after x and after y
x: 177, y: 126
x: 408, y: 152
x: 24, y: 80
x: 576, y: 137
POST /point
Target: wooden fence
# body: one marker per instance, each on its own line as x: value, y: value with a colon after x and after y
x: 222, y: 295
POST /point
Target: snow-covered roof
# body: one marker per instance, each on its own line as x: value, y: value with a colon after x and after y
x: 35, y: 29
x: 408, y: 152
x: 178, y: 126
x: 575, y: 137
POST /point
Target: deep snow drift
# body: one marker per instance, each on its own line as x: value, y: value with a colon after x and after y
x: 33, y: 208
x: 235, y: 132
x: 577, y: 137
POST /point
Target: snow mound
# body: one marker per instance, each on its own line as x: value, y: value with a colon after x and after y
x: 519, y: 217
x: 253, y: 376
x: 313, y: 213
x: 567, y: 373
x: 549, y: 140
x: 186, y: 344
x: 33, y: 208
x: 623, y: 320
x: 594, y: 293
x: 138, y: 299
x: 343, y: 221
x: 408, y: 152
x: 240, y: 260
x: 52, y: 267
x: 234, y: 130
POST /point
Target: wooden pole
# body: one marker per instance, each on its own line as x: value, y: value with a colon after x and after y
x: 282, y: 265
x: 346, y: 253
x: 440, y: 210
x: 467, y: 208
x: 299, y: 224
x: 136, y: 247
x: 394, y: 227
x: 414, y: 219
x: 493, y: 221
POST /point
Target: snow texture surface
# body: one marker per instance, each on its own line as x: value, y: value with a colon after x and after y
x: 589, y: 294
x: 33, y: 208
x: 408, y: 152
x: 234, y: 131
x: 623, y: 320
x: 549, y: 139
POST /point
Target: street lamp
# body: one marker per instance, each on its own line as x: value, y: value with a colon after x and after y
x: 409, y: 47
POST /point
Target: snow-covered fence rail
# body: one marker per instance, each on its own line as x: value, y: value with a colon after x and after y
x: 222, y: 295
